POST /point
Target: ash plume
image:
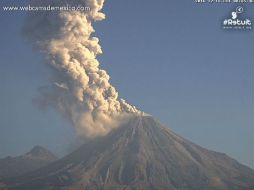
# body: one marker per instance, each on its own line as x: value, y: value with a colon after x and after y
x: 80, y: 89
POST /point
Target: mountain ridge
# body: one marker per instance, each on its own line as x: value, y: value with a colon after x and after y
x: 37, y: 157
x: 141, y: 154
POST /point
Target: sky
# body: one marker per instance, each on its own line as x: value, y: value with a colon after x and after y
x: 171, y: 59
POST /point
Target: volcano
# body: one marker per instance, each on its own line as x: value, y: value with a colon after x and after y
x: 142, y: 154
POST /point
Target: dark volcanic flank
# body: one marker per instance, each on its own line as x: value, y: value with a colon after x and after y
x: 142, y: 154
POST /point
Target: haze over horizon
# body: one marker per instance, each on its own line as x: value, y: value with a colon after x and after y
x: 186, y: 71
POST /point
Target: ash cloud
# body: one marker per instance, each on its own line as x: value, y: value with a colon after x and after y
x: 80, y: 89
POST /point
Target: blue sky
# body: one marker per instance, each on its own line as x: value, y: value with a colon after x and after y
x: 171, y: 59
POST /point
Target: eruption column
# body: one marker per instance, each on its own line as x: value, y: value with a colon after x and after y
x: 80, y: 90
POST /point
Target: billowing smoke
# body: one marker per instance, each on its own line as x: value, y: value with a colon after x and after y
x: 80, y: 89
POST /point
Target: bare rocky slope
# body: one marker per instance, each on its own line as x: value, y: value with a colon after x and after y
x: 140, y: 155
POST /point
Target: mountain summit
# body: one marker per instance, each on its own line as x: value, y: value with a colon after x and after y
x: 140, y: 155
x: 36, y: 158
x: 39, y: 152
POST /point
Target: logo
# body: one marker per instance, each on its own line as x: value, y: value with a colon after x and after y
x: 239, y: 10
x: 236, y: 21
